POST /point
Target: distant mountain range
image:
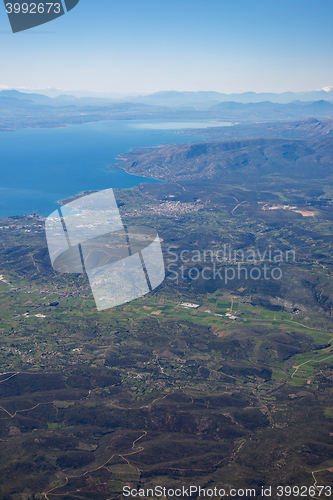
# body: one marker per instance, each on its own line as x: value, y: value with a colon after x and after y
x: 173, y: 98
x: 19, y: 109
x: 204, y: 99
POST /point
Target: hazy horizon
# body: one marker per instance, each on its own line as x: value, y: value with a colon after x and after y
x: 53, y: 91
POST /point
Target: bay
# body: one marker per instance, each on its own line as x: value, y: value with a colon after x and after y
x: 41, y: 166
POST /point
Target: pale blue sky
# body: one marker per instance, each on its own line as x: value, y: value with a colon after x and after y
x: 147, y: 46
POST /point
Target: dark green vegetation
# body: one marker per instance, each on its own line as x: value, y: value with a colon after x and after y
x: 151, y: 393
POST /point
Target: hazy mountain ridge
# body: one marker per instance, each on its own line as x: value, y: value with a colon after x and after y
x: 189, y: 98
x: 20, y: 110
x: 308, y: 128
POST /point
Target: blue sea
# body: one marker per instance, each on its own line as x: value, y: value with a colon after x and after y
x: 41, y: 166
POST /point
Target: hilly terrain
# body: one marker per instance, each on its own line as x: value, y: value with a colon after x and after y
x: 152, y: 392
x: 252, y: 161
x: 308, y: 128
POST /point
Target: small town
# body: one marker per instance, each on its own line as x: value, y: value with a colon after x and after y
x: 167, y: 208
